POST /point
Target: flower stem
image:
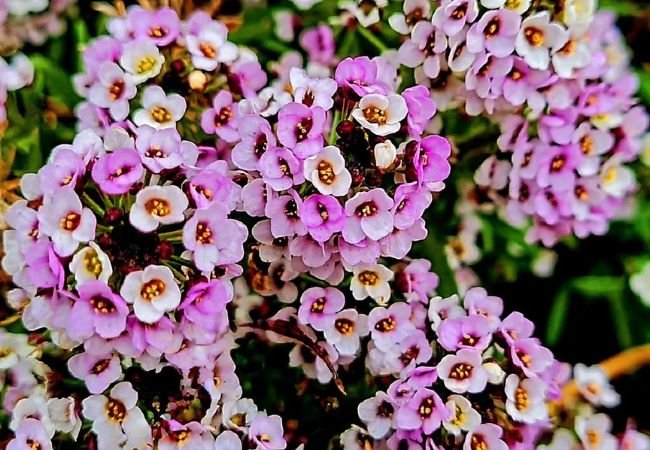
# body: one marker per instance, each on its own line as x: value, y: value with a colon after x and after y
x: 92, y: 204
x: 176, y: 236
x: 335, y: 122
x: 372, y: 39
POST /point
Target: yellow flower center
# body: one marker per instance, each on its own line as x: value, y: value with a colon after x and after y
x: 70, y: 222
x: 157, y: 207
x: 145, y: 65
x: 152, y: 289
x: 161, y: 114
x: 375, y: 115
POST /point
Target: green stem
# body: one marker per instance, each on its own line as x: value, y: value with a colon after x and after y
x: 171, y: 235
x: 92, y: 204
x: 335, y: 122
x: 182, y: 261
x: 177, y: 274
x: 372, y: 39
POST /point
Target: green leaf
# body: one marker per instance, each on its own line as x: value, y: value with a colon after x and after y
x: 558, y: 316
x: 599, y: 286
x: 621, y: 321
x: 57, y: 82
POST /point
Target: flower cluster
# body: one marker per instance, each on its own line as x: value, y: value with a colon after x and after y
x: 30, y: 21
x: 559, y: 83
x: 461, y: 362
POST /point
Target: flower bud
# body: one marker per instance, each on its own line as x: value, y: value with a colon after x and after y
x: 496, y: 375
x: 197, y: 80
x: 385, y: 154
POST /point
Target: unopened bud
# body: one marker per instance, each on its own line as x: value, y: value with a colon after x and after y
x: 197, y: 80
x: 496, y: 375
x: 385, y: 154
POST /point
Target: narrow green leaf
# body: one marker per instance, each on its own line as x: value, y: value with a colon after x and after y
x: 621, y: 321
x: 557, y: 316
x: 599, y: 286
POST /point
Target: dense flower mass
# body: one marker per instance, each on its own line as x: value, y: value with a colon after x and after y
x: 30, y: 21
x: 207, y: 204
x: 560, y: 85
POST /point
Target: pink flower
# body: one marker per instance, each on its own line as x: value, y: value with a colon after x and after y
x: 222, y: 118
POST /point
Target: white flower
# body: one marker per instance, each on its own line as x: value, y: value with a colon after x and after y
x: 538, y: 36
x: 594, y: 432
x: 13, y: 347
x: 142, y: 59
x: 153, y: 291
x: 66, y: 221
x: 117, y: 421
x: 227, y: 440
x: 327, y: 172
x: 594, y: 386
x: 346, y: 330
x: 574, y: 54
x: 496, y: 374
x: 211, y: 47
x: 305, y: 4
x: 158, y: 205
x: 381, y: 114
x: 578, y: 12
x: 371, y: 280
x: 518, y: 6
x: 35, y: 407
x: 640, y: 284
x: 239, y: 414
x: 563, y: 439
x: 414, y: 10
x: 160, y: 110
x: 615, y: 178
x: 385, y: 154
x: 91, y: 263
x: 463, y: 416
x: 63, y: 413
x: 492, y: 4
x: 526, y: 399
x: 23, y: 7
x: 365, y: 16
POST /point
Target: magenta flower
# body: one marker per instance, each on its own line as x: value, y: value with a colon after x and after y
x: 66, y: 221
x: 162, y: 25
x: 477, y: 301
x: 465, y: 332
x: 410, y: 204
x: 323, y: 216
x: 558, y: 165
x: 530, y: 356
x: 284, y: 214
x: 426, y: 47
x: 97, y: 371
x: 214, y: 239
x: 222, y: 118
x: 318, y: 42
x: 301, y: 129
x: 425, y: 411
x: 64, y: 169
x: 429, y: 162
x: 421, y: 109
x: 359, y: 75
x: 214, y: 185
x: 495, y: 32
x: 98, y: 310
x: 30, y: 434
x: 256, y: 136
x: 281, y: 169
x: 204, y: 301
x: 368, y: 215
x: 115, y: 173
x: 318, y: 307
x: 463, y: 372
x: 453, y: 16
x: 113, y: 90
